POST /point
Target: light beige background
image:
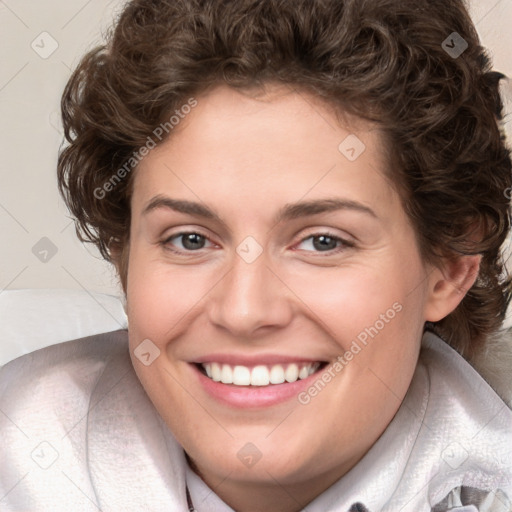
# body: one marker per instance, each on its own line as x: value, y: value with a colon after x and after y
x: 30, y: 89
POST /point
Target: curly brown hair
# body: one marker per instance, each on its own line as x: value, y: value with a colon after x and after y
x: 388, y: 62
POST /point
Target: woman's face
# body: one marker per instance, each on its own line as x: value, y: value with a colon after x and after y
x: 297, y: 253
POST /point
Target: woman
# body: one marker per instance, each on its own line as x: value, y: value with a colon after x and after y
x: 305, y: 202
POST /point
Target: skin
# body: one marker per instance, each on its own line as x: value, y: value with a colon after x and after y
x: 245, y: 158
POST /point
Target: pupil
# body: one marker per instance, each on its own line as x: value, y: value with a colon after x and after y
x: 322, y: 244
x: 192, y: 240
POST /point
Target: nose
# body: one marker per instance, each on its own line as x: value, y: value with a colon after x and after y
x: 250, y: 299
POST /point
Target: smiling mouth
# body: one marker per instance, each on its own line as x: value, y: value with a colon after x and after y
x: 259, y: 375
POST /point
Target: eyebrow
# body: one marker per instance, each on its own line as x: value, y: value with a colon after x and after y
x: 289, y: 211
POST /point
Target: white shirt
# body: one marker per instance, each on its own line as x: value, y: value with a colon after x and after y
x: 78, y: 432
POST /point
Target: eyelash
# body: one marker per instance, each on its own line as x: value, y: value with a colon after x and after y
x: 345, y: 244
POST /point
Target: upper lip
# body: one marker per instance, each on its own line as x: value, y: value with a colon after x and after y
x: 253, y: 360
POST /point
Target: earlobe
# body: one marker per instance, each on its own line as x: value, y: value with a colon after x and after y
x: 448, y: 285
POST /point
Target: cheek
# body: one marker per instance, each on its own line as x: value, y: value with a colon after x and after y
x: 160, y: 295
x: 350, y: 299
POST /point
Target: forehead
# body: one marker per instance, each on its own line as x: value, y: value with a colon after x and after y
x: 278, y: 147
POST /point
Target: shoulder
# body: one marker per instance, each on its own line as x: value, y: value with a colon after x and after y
x: 467, y: 425
x: 45, y: 400
x: 55, y: 383
x: 79, y: 362
x: 494, y: 363
x: 451, y: 373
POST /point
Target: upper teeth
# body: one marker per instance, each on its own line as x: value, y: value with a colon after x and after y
x: 260, y: 375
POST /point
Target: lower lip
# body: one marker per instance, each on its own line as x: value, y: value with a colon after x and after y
x: 245, y: 397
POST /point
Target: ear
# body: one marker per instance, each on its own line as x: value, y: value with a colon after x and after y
x: 449, y: 284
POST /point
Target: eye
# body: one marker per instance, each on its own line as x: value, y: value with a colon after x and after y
x: 326, y: 242
x: 191, y: 242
